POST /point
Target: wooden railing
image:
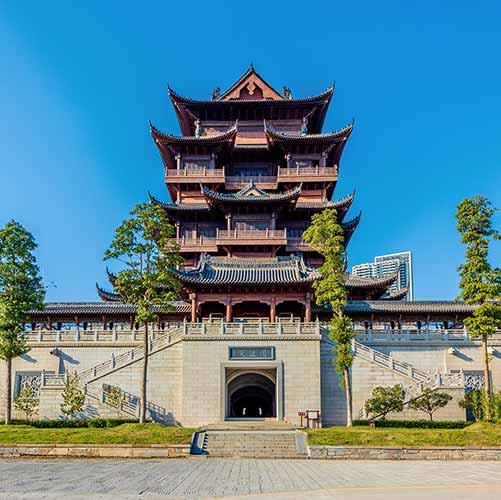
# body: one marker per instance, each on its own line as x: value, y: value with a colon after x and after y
x: 251, y: 234
x: 239, y: 181
x: 223, y: 236
x: 194, y: 173
x: 307, y: 172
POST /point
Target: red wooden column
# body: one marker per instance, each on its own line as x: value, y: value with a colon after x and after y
x: 229, y: 312
x: 307, y: 310
x: 273, y: 310
x: 193, y: 297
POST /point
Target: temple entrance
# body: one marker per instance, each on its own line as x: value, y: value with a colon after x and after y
x: 212, y: 310
x: 290, y: 310
x: 251, y: 394
x: 251, y: 309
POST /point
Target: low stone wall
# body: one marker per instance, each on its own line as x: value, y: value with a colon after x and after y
x: 404, y: 453
x: 95, y: 451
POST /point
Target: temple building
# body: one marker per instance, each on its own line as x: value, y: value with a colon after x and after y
x: 246, y: 176
x: 246, y: 338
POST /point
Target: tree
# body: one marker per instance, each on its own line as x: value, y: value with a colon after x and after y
x: 430, y: 401
x: 114, y: 396
x: 73, y: 396
x: 326, y: 236
x: 21, y: 290
x: 483, y: 406
x: 144, y: 244
x: 480, y: 283
x: 385, y: 400
x: 27, y: 402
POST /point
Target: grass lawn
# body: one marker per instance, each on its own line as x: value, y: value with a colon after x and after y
x: 122, y: 434
x: 475, y: 435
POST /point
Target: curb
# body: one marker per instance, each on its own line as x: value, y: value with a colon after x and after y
x: 404, y: 453
x: 95, y: 451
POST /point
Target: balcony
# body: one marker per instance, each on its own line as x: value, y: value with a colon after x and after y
x: 272, y: 237
x: 307, y: 174
x: 240, y: 181
x: 252, y: 237
x: 194, y: 175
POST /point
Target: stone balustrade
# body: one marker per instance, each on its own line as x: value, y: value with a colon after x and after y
x: 252, y: 327
x: 374, y: 335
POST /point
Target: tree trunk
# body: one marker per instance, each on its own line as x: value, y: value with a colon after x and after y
x: 8, y: 393
x: 347, y: 388
x: 142, y: 414
x: 487, y: 379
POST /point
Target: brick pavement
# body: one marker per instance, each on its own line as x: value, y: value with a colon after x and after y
x: 283, y: 479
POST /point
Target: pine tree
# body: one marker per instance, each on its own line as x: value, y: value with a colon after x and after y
x: 326, y: 236
x: 480, y: 283
x: 144, y: 244
x: 21, y: 290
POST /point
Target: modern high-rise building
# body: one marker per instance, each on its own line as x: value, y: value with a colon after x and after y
x: 399, y: 264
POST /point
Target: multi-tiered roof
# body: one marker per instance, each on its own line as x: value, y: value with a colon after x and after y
x: 249, y: 170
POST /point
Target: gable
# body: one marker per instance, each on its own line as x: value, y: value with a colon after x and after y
x: 251, y: 87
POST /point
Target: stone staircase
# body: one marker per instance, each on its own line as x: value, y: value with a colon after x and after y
x: 421, y: 380
x: 252, y: 444
x: 171, y: 337
x: 117, y: 362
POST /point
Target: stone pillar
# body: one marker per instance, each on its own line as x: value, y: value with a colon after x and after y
x: 178, y: 161
x: 273, y: 311
x: 307, y: 309
x: 229, y: 312
x: 228, y: 222
x: 177, y: 230
x: 193, y: 297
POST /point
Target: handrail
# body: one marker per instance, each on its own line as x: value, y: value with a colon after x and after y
x: 305, y: 171
x: 195, y: 172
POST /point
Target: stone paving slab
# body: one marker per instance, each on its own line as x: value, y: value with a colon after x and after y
x: 181, y: 479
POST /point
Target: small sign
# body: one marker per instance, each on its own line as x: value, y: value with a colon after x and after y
x: 252, y: 353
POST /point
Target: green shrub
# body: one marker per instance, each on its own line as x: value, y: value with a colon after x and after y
x: 415, y: 424
x: 94, y: 422
x: 482, y: 407
x: 58, y: 424
x: 115, y: 422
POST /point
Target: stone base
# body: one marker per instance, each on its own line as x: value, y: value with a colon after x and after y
x: 95, y: 451
x: 407, y: 453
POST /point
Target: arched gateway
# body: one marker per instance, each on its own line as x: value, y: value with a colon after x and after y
x: 251, y: 394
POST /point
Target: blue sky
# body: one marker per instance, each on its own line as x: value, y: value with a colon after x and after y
x: 80, y: 80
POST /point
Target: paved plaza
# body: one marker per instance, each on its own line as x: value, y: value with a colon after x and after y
x: 264, y: 479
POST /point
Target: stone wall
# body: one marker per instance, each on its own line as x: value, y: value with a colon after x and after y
x: 400, y: 453
x: 186, y: 380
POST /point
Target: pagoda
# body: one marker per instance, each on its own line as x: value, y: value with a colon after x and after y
x: 248, y: 172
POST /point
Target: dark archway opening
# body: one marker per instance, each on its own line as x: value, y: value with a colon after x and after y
x: 251, y: 395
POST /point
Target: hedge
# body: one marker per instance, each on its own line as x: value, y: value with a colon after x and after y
x: 60, y: 424
x: 415, y: 424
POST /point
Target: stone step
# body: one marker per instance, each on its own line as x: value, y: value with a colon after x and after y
x: 251, y: 444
